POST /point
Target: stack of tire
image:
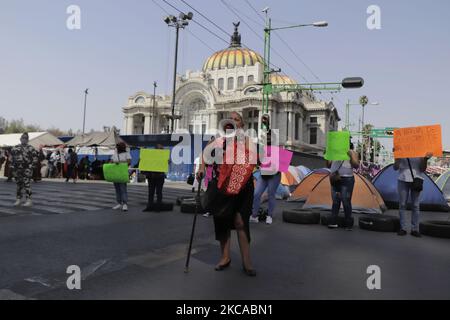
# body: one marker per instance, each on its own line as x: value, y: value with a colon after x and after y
x: 162, y: 207
x: 380, y: 223
x: 301, y: 216
x: 190, y: 205
x: 439, y: 229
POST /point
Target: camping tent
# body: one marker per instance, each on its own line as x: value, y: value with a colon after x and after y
x: 95, y: 139
x: 365, y: 199
x: 304, y: 188
x: 443, y: 182
x: 431, y: 198
x: 36, y: 139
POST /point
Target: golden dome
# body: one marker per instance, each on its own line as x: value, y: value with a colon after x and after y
x: 281, y: 79
x: 233, y: 56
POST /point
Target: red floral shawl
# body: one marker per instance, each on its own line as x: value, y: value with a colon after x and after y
x: 234, y: 176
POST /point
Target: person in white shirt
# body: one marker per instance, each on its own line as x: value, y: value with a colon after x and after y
x: 342, y: 191
x: 196, y: 168
x: 121, y: 156
x: 409, y: 170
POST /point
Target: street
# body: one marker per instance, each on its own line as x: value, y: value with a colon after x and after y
x: 138, y: 255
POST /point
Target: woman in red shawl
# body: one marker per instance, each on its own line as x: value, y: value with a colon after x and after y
x: 235, y: 180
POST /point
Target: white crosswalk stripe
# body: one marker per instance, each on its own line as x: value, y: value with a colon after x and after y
x: 59, y: 198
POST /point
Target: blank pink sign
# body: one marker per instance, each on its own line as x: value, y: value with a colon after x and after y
x: 277, y: 159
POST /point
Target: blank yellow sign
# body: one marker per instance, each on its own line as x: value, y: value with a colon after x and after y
x: 154, y: 160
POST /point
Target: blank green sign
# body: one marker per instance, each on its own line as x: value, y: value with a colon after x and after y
x: 338, y: 145
x: 154, y: 160
x: 116, y: 172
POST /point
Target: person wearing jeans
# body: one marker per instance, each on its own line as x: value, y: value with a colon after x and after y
x: 121, y: 196
x: 265, y: 182
x: 409, y: 169
x: 121, y: 156
x: 155, y: 184
x: 342, y: 192
x: 269, y: 179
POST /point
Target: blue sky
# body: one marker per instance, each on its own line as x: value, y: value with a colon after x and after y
x: 123, y: 46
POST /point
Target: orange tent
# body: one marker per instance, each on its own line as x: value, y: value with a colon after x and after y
x: 305, y: 187
x: 366, y: 198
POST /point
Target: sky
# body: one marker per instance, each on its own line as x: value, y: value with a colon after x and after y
x: 123, y: 46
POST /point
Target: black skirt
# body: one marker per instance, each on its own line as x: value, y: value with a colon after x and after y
x: 241, y: 203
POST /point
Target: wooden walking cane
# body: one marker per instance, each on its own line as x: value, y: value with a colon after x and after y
x: 197, y: 200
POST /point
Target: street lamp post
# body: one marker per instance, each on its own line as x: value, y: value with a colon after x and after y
x: 267, y: 70
x: 181, y: 22
x: 154, y: 103
x: 84, y: 114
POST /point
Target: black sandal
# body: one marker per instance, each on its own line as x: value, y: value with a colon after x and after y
x: 221, y: 267
x: 249, y: 272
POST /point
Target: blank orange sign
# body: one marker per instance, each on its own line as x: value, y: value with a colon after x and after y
x: 417, y: 141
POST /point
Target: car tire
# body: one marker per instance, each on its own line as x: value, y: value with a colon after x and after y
x: 325, y: 220
x: 183, y: 198
x: 439, y: 229
x: 301, y: 216
x: 380, y: 223
x: 189, y: 206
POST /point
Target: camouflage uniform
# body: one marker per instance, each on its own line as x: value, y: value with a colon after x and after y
x: 24, y: 159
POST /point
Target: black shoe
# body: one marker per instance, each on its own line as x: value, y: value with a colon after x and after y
x: 402, y: 233
x: 147, y: 210
x: 416, y: 234
x: 221, y: 267
x: 249, y: 272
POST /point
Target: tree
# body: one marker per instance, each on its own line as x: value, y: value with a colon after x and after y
x: 56, y: 132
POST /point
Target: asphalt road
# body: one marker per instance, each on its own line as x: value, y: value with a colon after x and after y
x: 138, y: 255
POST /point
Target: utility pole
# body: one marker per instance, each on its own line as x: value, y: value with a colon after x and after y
x: 84, y: 116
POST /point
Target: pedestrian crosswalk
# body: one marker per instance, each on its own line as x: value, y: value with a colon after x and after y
x: 58, y: 198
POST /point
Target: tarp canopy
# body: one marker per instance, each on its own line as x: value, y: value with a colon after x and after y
x: 95, y: 139
x: 443, y: 182
x: 37, y: 139
x: 431, y: 198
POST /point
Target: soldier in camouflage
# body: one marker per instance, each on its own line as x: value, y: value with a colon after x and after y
x: 24, y: 159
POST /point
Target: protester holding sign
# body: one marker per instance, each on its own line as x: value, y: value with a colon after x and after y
x: 155, y: 164
x: 270, y: 179
x: 341, y: 178
x: 121, y: 156
x: 410, y: 182
x: 231, y: 193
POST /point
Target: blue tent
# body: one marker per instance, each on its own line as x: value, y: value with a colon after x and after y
x: 443, y: 182
x: 431, y: 198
